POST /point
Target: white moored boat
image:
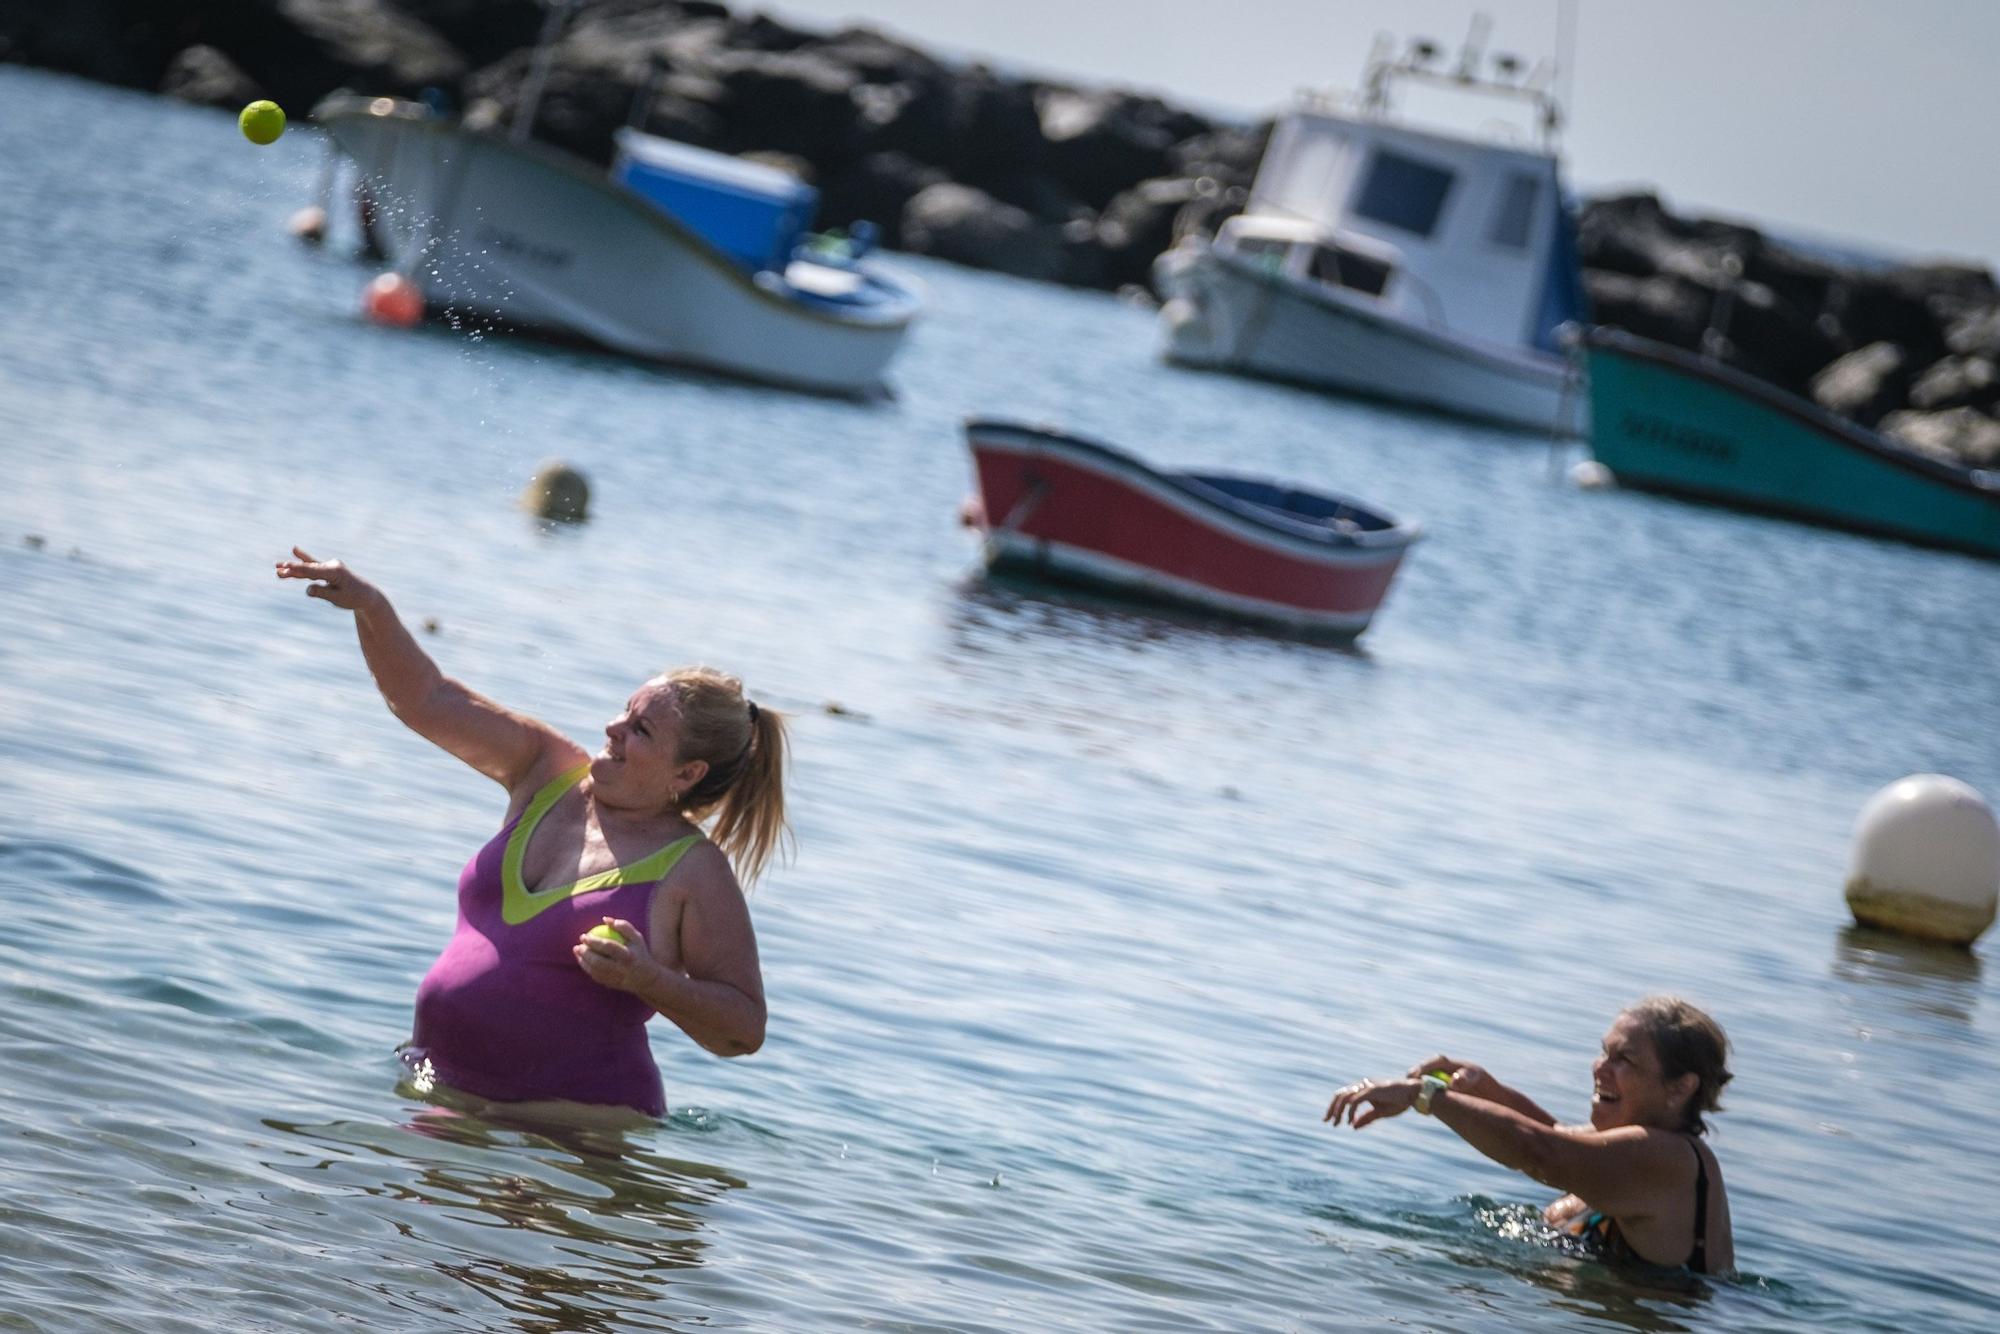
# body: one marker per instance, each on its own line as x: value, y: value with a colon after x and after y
x: 1380, y: 259
x: 678, y: 254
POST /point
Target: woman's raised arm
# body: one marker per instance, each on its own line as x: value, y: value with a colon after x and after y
x: 507, y: 747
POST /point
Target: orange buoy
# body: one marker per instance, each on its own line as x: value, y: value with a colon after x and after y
x: 394, y: 300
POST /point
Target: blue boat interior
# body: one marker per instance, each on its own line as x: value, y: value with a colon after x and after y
x: 757, y: 217
x: 1313, y: 508
x: 754, y: 215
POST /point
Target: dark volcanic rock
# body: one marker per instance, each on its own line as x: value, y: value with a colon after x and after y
x: 992, y: 127
x: 484, y: 30
x: 1976, y: 334
x: 1663, y: 309
x: 1227, y: 153
x: 578, y: 111
x: 1139, y: 224
x: 969, y: 226
x: 204, y: 76
x: 1958, y: 382
x: 1865, y: 384
x: 298, y: 51
x: 881, y: 59
x: 876, y: 189
x: 796, y: 101
x: 126, y: 42
x: 1959, y: 435
x: 1101, y: 142
x: 1771, y: 338
x: 294, y: 51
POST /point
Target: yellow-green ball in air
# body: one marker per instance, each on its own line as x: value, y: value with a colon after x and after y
x: 604, y: 931
x: 262, y: 122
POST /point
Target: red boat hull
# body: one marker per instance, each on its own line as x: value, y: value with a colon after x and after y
x: 1066, y: 508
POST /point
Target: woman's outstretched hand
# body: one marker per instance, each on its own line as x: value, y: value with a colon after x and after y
x: 332, y: 581
x: 616, y: 964
x: 1371, y: 1100
x: 1465, y: 1077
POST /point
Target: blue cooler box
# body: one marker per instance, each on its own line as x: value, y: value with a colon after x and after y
x: 751, y: 212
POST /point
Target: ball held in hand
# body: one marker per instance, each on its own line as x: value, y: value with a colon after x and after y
x: 261, y: 122
x: 605, y: 931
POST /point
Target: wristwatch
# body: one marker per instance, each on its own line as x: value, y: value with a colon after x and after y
x: 1429, y: 1088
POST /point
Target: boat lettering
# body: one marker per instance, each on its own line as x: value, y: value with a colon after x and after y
x: 547, y: 255
x: 1677, y: 435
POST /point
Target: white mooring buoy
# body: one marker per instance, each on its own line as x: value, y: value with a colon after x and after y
x: 1590, y: 475
x: 1926, y: 860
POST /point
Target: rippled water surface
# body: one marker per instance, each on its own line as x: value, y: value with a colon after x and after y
x: 1092, y: 908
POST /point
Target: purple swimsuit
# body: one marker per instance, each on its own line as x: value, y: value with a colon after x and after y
x: 507, y: 1013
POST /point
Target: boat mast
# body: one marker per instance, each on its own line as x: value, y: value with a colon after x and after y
x: 538, y: 70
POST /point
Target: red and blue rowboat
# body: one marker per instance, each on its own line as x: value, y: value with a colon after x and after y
x: 1069, y: 509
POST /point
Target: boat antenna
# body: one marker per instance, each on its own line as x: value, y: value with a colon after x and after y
x: 1565, y: 54
x: 1474, y: 51
x: 538, y: 70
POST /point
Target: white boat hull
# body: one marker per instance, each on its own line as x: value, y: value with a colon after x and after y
x: 1226, y: 313
x: 527, y: 234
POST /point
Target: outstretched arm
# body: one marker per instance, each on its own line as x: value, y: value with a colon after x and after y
x: 1620, y: 1171
x: 1478, y: 1082
x: 505, y: 746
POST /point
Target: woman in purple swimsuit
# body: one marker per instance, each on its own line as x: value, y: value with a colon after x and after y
x: 526, y: 1007
x: 1641, y: 1183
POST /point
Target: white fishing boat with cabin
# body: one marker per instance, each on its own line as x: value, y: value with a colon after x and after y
x: 1378, y: 258
x: 678, y: 253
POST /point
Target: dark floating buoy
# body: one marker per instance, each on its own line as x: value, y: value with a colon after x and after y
x: 431, y: 626
x: 558, y: 493
x: 393, y: 300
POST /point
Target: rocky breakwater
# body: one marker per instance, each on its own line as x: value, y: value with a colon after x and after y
x: 1036, y: 178
x: 1910, y: 350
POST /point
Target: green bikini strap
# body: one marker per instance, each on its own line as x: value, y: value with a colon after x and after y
x: 524, y: 828
x: 518, y: 903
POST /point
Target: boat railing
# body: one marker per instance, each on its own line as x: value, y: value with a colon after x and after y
x: 1420, y: 63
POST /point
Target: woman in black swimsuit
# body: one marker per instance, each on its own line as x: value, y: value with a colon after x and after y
x: 1641, y: 1184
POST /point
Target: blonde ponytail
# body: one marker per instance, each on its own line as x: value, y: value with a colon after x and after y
x: 741, y: 799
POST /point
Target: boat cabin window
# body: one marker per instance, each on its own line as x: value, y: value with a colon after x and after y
x: 1516, y: 212
x: 1270, y: 249
x: 1403, y: 192
x: 1343, y: 268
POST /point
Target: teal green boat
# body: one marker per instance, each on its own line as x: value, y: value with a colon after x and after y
x: 1671, y: 421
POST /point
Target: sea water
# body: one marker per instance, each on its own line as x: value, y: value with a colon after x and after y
x: 1093, y: 908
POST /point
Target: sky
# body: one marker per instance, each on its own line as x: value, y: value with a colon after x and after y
x: 1863, y: 122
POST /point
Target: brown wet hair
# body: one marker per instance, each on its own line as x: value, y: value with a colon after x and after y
x: 1687, y: 1041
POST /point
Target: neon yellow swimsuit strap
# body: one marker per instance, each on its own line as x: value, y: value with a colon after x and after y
x: 518, y: 903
